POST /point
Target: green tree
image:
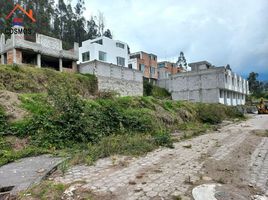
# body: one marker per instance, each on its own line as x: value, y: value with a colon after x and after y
x: 254, y: 84
x: 92, y: 30
x: 182, y: 61
x: 108, y: 34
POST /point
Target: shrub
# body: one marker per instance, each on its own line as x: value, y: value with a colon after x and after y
x: 162, y: 138
x: 3, y: 121
x: 215, y: 113
x: 152, y: 90
x: 210, y: 113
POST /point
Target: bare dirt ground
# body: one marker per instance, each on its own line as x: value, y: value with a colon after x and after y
x: 11, y: 104
x: 235, y: 156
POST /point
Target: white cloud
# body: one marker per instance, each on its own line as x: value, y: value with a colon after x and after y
x: 221, y: 32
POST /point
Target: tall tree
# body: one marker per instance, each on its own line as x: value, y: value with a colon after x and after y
x: 92, y: 29
x: 181, y: 61
x: 254, y: 84
x: 100, y: 23
x: 80, y: 21
x: 108, y: 34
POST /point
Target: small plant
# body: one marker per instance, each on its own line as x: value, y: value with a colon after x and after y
x: 64, y: 166
x: 163, y: 139
x: 3, y: 121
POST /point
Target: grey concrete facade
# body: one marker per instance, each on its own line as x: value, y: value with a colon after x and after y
x: 122, y: 80
x: 45, y: 51
x: 208, y: 84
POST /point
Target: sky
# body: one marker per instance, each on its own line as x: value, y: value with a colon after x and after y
x: 222, y: 32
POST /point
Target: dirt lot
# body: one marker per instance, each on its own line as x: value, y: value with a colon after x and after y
x: 235, y: 157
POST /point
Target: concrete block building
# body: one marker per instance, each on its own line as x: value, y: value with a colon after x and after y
x: 207, y: 83
x: 105, y: 50
x: 44, y: 51
x: 146, y: 63
x: 166, y: 68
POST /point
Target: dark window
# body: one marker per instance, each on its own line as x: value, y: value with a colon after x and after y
x: 135, y: 56
x: 130, y: 66
x: 120, y: 61
x: 120, y: 45
x: 102, y: 56
x: 152, y: 71
x: 221, y: 93
x: 85, y: 56
x: 142, y: 67
x: 98, y: 42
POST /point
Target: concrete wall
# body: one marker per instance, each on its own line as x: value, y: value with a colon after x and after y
x: 126, y: 82
x: 209, y: 85
x: 123, y: 87
x: 108, y: 46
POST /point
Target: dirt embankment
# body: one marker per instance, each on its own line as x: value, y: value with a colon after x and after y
x: 11, y: 104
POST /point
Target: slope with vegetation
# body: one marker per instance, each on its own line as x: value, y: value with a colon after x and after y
x: 62, y: 120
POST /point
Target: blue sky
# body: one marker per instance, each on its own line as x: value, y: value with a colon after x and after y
x: 219, y: 31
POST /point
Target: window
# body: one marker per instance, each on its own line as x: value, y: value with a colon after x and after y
x: 98, y: 42
x: 135, y: 56
x: 161, y: 65
x: 85, y: 56
x: 152, y: 71
x: 130, y: 66
x: 102, y: 56
x: 120, y: 61
x: 120, y: 45
x: 221, y: 93
x: 142, y: 67
x: 152, y: 57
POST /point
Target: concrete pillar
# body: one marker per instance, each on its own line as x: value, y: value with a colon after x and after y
x: 60, y: 65
x: 3, y: 59
x: 225, y: 97
x: 39, y: 60
x: 14, y: 56
x: 74, y: 66
x: 231, y: 98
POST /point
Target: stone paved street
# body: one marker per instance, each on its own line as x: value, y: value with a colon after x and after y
x: 27, y: 171
x: 169, y: 173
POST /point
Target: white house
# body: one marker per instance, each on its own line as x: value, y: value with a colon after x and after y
x: 104, y: 49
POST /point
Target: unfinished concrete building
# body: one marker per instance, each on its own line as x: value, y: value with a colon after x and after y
x: 43, y: 51
x: 207, y: 83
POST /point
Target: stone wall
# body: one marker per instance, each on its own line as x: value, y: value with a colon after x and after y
x: 122, y: 80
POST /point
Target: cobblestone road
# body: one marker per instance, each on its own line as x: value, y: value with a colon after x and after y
x: 168, y: 173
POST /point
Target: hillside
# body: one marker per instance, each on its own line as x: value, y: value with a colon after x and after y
x: 25, y: 79
x: 58, y: 118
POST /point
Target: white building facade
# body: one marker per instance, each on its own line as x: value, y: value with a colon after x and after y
x: 104, y: 49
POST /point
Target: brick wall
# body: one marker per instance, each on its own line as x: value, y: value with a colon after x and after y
x: 10, y: 57
x: 148, y: 62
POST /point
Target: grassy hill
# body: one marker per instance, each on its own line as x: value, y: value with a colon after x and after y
x: 61, y: 120
x: 25, y: 79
